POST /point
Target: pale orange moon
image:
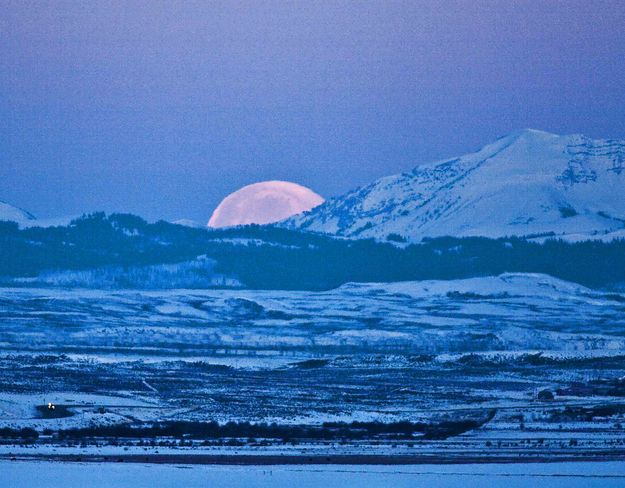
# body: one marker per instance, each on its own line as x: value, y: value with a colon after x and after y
x: 264, y: 203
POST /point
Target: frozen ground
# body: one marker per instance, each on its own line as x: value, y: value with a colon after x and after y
x: 511, y: 312
x: 18, y: 474
x: 546, y: 356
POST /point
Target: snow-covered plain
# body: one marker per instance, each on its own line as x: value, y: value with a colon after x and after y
x: 418, y: 351
x: 23, y: 474
x: 510, y: 312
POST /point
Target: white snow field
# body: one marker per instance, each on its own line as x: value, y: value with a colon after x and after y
x: 511, y: 312
x: 536, y: 363
x: 26, y: 474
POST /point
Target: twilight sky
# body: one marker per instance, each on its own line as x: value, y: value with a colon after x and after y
x: 163, y: 108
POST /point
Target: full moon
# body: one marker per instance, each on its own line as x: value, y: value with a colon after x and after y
x: 264, y: 203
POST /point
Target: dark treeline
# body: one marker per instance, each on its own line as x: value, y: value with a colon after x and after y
x: 214, y: 430
x: 242, y: 430
x: 286, y: 433
x: 275, y: 258
x: 26, y: 433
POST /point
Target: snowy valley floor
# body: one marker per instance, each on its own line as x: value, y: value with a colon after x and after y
x: 510, y: 369
x: 570, y: 475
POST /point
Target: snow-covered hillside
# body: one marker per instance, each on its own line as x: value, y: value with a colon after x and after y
x: 510, y: 312
x: 14, y: 214
x: 526, y: 183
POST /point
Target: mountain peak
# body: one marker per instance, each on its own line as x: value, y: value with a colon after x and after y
x: 527, y: 183
x: 533, y: 133
x: 523, y: 136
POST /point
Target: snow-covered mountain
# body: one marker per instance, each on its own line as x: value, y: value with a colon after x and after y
x: 14, y: 214
x: 189, y: 223
x: 527, y: 183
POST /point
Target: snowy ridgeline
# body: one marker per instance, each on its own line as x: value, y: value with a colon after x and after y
x: 14, y: 214
x: 529, y: 183
x: 511, y: 312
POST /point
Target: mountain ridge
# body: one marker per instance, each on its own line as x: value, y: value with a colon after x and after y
x: 527, y: 183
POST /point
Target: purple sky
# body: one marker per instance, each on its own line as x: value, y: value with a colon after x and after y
x: 163, y: 108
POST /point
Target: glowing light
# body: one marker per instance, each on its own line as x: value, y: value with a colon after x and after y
x: 264, y: 203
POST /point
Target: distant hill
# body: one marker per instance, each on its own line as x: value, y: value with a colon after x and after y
x: 124, y: 251
x: 14, y: 214
x: 529, y: 183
